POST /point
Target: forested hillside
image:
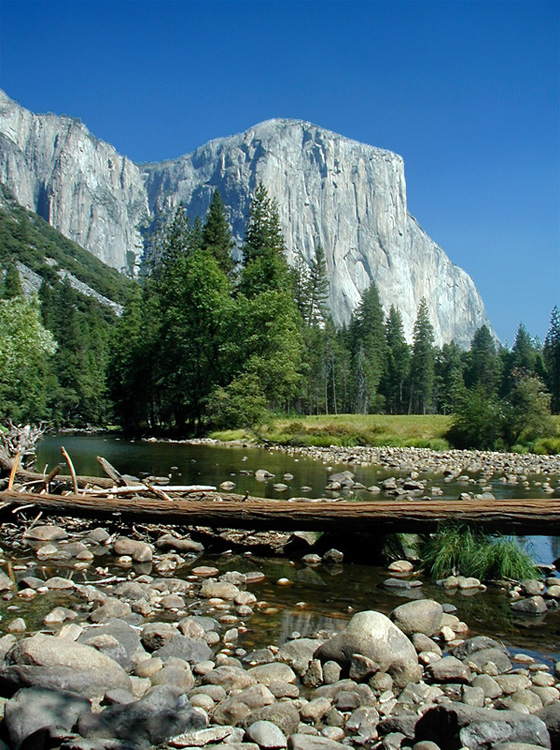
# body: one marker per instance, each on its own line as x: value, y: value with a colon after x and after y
x: 203, y: 343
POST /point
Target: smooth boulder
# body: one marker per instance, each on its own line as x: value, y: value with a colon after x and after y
x: 373, y: 635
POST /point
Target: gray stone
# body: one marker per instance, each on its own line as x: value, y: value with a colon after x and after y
x: 230, y: 678
x: 298, y: 653
x: 61, y: 664
x: 449, y: 669
x: 46, y: 533
x: 186, y: 545
x: 156, y: 634
x: 551, y: 716
x: 375, y: 636
x: 266, y: 734
x: 190, y: 649
x: 284, y: 714
x: 139, y: 551
x: 163, y: 713
x: 37, y: 713
x: 534, y: 605
x: 454, y: 725
x: 420, y: 616
x: 276, y: 672
x: 127, y: 638
x: 310, y: 742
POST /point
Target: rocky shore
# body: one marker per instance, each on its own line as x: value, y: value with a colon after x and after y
x: 133, y: 644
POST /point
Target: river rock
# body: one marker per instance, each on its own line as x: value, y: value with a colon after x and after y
x: 282, y: 713
x: 275, y: 672
x: 455, y: 725
x: 534, y: 605
x: 139, y: 551
x: 47, y: 533
x: 156, y: 634
x: 127, y: 638
x: 163, y: 713
x: 310, y: 742
x: 185, y: 544
x: 61, y: 664
x: 551, y: 716
x: 420, y: 616
x: 449, y: 669
x: 229, y: 677
x: 267, y: 735
x: 192, y: 650
x: 41, y: 711
x: 219, y: 590
x: 262, y: 475
x: 298, y: 653
x: 375, y: 636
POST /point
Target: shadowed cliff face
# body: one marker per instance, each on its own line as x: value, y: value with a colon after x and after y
x: 347, y: 196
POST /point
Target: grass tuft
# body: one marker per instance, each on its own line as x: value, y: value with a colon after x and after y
x: 457, y: 549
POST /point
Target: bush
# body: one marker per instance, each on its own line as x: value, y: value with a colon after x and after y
x: 457, y: 549
x: 241, y: 404
x: 478, y: 422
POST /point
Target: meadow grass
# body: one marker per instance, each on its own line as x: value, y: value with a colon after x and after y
x: 349, y: 430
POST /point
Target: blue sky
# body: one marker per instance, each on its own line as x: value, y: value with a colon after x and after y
x: 467, y: 92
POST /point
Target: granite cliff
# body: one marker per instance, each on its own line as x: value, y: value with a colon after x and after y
x: 348, y: 196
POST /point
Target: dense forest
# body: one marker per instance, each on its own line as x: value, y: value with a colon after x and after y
x: 206, y: 342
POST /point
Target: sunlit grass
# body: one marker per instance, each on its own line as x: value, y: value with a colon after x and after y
x: 457, y: 549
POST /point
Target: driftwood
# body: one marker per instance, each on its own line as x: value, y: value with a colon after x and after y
x: 222, y: 510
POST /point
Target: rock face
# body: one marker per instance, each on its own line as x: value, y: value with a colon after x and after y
x: 347, y: 196
x: 79, y: 184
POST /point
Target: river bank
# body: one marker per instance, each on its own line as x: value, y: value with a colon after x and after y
x: 142, y: 622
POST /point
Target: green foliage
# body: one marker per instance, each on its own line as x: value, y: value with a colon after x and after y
x: 216, y: 236
x: 528, y: 417
x: 12, y: 283
x: 396, y: 369
x: 551, y: 355
x: 483, y: 365
x: 240, y: 404
x: 423, y: 362
x: 25, y: 349
x: 458, y: 549
x: 26, y: 237
x: 368, y: 346
x: 478, y: 421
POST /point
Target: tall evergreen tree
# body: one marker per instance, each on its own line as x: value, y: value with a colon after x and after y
x: 423, y: 362
x: 483, y: 365
x: 216, y: 235
x: 11, y: 287
x: 551, y: 353
x: 449, y: 384
x: 367, y: 336
x: 397, y: 364
x: 317, y: 311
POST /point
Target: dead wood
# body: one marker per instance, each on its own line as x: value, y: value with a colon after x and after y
x: 526, y: 516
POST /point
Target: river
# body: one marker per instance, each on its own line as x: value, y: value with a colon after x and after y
x: 318, y: 596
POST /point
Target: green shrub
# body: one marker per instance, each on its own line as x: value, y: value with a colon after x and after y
x: 547, y: 446
x: 457, y: 549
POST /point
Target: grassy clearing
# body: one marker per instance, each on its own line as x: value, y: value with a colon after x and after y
x: 348, y: 430
x: 460, y: 550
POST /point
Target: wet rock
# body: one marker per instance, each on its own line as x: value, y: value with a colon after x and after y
x: 61, y: 664
x: 455, y: 725
x: 333, y: 556
x: 261, y: 475
x: 186, y: 545
x: 139, y: 551
x: 266, y: 735
x: 531, y: 587
x: 35, y: 713
x: 45, y: 533
x: 420, y: 616
x: 375, y: 636
x: 219, y: 590
x: 534, y: 605
x: 401, y: 566
x: 400, y: 583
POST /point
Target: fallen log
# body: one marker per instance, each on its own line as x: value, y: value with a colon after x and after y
x: 222, y: 510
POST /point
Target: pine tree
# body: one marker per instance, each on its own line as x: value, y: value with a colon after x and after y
x: 216, y: 235
x: 551, y: 353
x: 264, y: 262
x: 367, y: 336
x: 397, y: 364
x: 483, y: 365
x: 422, y: 364
x: 12, y: 283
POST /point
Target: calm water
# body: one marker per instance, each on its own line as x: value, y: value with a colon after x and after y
x: 321, y: 597
x: 214, y: 464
